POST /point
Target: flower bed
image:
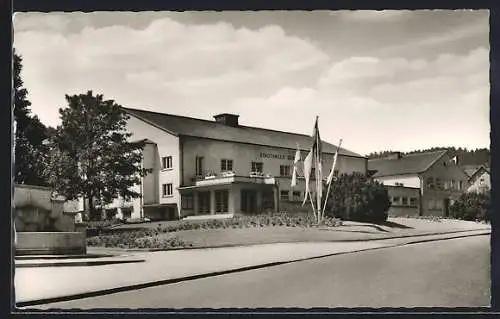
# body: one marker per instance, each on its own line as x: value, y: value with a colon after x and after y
x: 148, y: 238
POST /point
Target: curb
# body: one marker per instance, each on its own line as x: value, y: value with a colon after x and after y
x: 327, y: 241
x: 217, y: 273
x: 78, y: 263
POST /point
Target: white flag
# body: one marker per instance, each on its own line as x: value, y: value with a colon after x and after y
x: 332, y: 172
x: 295, y: 163
x: 307, y: 173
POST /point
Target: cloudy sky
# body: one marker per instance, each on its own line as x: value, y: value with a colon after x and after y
x: 397, y: 80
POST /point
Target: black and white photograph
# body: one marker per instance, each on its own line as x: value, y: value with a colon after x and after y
x: 251, y: 159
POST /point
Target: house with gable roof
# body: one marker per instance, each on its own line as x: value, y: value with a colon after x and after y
x: 479, y: 178
x: 424, y: 183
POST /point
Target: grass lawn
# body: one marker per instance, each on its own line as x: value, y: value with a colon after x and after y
x: 267, y: 235
x: 155, y: 235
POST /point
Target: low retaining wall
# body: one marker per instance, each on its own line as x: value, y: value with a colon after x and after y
x: 51, y: 243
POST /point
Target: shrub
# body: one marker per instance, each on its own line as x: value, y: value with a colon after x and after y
x: 359, y: 198
x: 471, y: 206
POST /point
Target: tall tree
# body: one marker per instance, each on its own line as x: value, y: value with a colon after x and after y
x: 30, y: 134
x: 93, y: 157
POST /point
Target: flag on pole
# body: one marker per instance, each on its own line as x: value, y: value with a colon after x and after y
x: 295, y: 164
x: 317, y: 151
x: 307, y: 173
x: 332, y: 172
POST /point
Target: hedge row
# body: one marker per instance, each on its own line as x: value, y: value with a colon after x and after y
x: 137, y: 240
x: 246, y: 221
x: 148, y: 238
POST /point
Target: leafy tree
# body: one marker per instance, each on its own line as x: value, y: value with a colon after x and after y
x: 30, y: 134
x: 93, y: 157
x: 471, y: 206
x: 359, y: 198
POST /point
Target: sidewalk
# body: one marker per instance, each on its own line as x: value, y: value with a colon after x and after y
x: 40, y: 285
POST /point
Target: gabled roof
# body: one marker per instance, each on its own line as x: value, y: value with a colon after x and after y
x: 473, y: 171
x: 188, y: 126
x: 407, y: 164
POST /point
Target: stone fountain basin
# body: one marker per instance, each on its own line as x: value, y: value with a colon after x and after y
x: 51, y: 243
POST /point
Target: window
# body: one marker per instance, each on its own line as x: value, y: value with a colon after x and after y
x: 257, y: 167
x: 431, y: 204
x: 430, y: 182
x: 446, y: 185
x: 481, y: 181
x: 203, y: 203
x: 452, y: 184
x: 166, y: 162
x: 404, y: 201
x: 284, y: 195
x: 284, y: 170
x: 395, y: 200
x: 439, y: 204
x: 127, y: 212
x: 413, y: 201
x: 439, y: 184
x: 226, y: 165
x: 167, y: 190
x: 460, y: 185
x: 399, y: 184
x: 221, y: 201
x: 111, y: 213
x: 187, y: 201
x: 296, y: 195
x: 199, y: 165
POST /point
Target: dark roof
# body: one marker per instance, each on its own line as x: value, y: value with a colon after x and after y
x: 188, y: 126
x: 407, y: 164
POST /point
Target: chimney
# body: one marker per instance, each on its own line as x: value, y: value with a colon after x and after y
x: 227, y: 119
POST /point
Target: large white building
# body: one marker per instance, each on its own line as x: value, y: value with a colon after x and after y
x: 203, y: 167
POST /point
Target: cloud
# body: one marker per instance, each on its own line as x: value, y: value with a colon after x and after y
x: 39, y: 21
x: 372, y: 15
x: 166, y: 57
x: 271, y: 78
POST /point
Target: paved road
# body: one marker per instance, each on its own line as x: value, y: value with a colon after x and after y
x: 449, y: 273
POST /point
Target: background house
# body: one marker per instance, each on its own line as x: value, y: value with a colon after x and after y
x: 437, y: 176
x: 479, y: 178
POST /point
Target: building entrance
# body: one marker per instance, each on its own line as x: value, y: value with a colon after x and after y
x: 249, y: 201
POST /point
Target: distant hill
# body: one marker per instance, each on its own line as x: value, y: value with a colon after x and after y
x: 479, y: 156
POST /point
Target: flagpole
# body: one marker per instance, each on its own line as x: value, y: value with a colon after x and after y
x: 318, y: 172
x: 330, y: 184
x: 309, y: 195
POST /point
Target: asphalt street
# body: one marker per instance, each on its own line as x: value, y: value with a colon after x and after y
x: 446, y: 273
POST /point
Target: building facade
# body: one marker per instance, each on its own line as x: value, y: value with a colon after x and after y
x: 437, y: 176
x: 405, y: 201
x: 202, y: 167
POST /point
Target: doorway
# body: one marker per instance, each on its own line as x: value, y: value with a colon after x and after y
x: 446, y: 207
x: 249, y: 201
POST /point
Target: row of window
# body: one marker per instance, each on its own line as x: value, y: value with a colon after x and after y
x: 438, y: 184
x: 435, y: 204
x: 285, y: 195
x: 227, y: 165
x: 221, y: 201
x: 404, y: 201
